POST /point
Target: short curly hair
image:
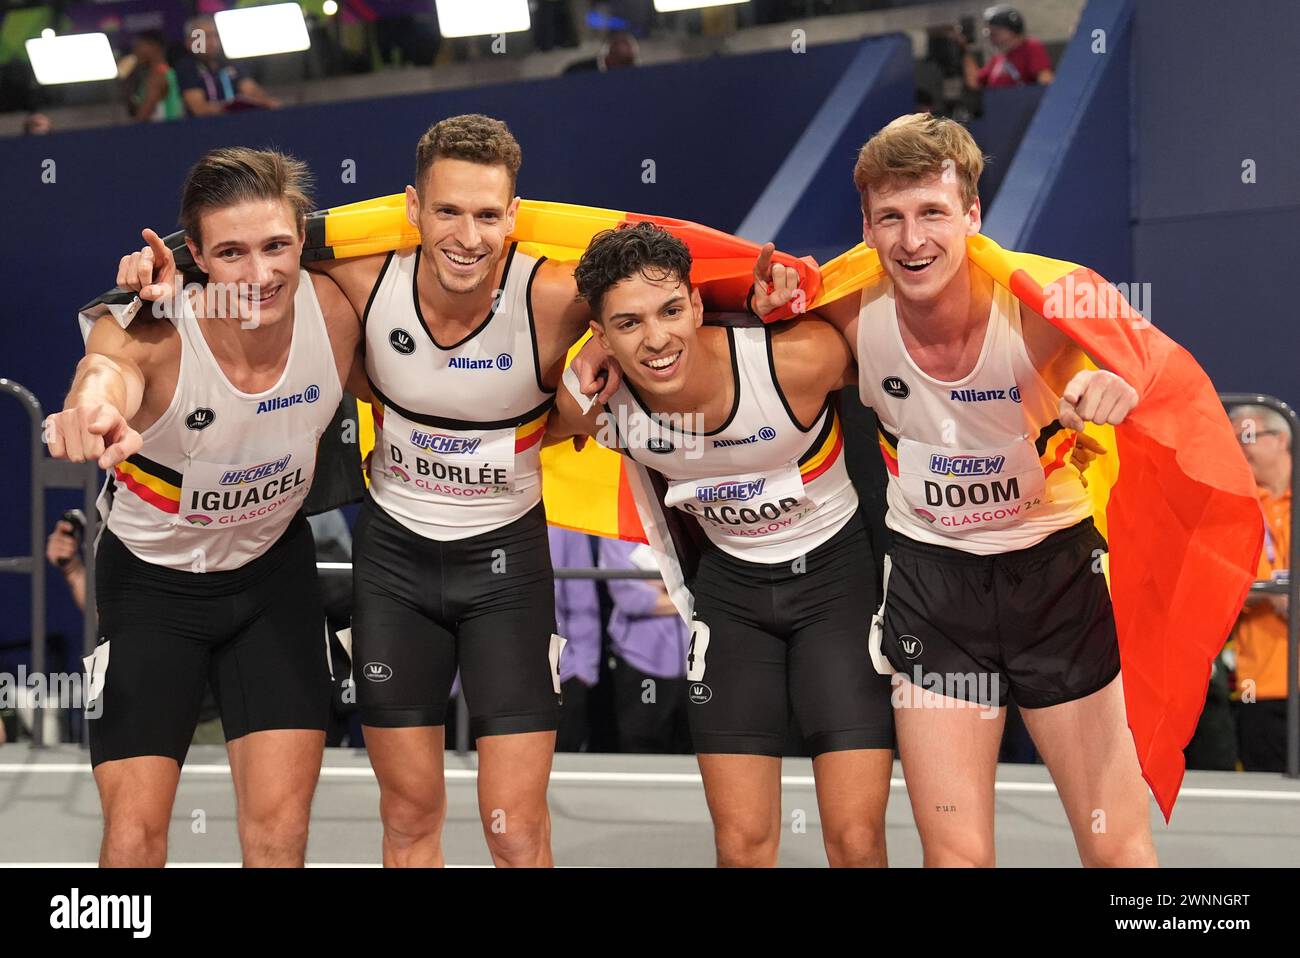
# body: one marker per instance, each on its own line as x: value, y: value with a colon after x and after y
x: 471, y: 137
x: 631, y: 249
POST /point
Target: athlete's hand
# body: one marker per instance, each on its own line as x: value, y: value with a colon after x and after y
x: 774, y: 284
x: 599, y: 374
x: 1095, y: 395
x: 95, y: 431
x: 150, y: 272
x: 1086, y: 449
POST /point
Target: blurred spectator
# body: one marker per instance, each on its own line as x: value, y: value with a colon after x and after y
x: 620, y: 50
x: 153, y: 93
x: 553, y: 25
x: 924, y: 101
x: 37, y: 124
x: 649, y: 641
x: 942, y: 72
x: 577, y: 615
x: 1019, y: 60
x: 407, y: 37
x: 63, y: 551
x: 211, y: 84
x: 1260, y: 635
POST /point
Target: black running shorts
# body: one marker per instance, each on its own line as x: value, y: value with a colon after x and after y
x: 789, y: 637
x: 423, y: 609
x: 256, y: 634
x: 1034, y: 625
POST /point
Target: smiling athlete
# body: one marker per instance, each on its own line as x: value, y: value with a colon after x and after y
x: 465, y: 337
x: 994, y: 586
x: 742, y: 425
x: 206, y: 571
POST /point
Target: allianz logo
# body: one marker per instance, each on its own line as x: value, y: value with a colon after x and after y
x: 765, y: 434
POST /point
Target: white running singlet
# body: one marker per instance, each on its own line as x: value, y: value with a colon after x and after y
x: 982, y: 464
x: 458, y: 450
x: 222, y: 472
x: 761, y: 486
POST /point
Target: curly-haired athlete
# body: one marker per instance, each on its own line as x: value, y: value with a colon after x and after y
x: 742, y: 425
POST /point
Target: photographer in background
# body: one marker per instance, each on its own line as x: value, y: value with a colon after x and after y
x: 1020, y: 60
x: 63, y: 551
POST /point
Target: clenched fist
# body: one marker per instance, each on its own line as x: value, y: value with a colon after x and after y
x: 1095, y: 395
x: 95, y: 431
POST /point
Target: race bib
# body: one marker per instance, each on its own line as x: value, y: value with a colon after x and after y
x: 962, y: 489
x: 446, y: 464
x: 744, y: 506
x: 227, y: 495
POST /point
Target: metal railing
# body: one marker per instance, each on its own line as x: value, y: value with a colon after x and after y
x: 46, y: 474
x: 1291, y: 588
x: 49, y: 473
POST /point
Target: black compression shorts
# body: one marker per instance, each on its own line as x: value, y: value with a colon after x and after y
x: 789, y: 636
x: 256, y: 634
x: 424, y: 608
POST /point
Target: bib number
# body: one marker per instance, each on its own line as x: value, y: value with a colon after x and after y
x: 445, y: 464
x: 964, y: 489
x: 744, y: 506
x: 229, y: 495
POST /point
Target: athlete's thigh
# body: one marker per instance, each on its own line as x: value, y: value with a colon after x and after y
x: 403, y: 657
x: 408, y: 763
x: 503, y: 594
x: 1087, y: 746
x: 154, y: 649
x: 140, y: 789
x: 949, y: 752
x: 853, y: 787
x: 744, y: 795
x: 276, y: 772
x: 274, y: 673
x: 514, y: 771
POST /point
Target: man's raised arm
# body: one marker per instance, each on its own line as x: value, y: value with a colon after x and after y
x: 106, y: 393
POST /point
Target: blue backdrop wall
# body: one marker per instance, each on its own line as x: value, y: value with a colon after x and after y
x: 715, y: 131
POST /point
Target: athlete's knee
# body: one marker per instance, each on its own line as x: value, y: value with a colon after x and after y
x: 518, y: 838
x: 960, y: 851
x: 134, y: 840
x: 747, y: 843
x: 856, y: 845
x: 411, y: 818
x: 274, y: 837
x: 1133, y: 850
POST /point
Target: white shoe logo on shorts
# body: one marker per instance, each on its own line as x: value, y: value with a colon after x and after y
x: 700, y: 693
x: 377, y: 672
x: 910, y: 645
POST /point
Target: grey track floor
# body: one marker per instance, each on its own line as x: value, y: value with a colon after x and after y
x: 619, y: 810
